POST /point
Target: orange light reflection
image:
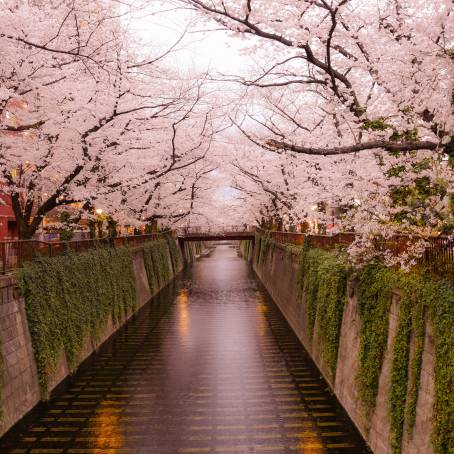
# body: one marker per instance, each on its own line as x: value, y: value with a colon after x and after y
x: 183, y: 312
x: 107, y: 430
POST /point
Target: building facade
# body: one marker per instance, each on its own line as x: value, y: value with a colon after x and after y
x: 8, y: 225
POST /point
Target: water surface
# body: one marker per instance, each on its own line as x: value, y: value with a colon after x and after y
x: 209, y: 366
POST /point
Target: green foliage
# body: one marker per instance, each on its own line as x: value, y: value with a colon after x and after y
x: 174, y: 252
x: 322, y: 279
x: 360, y: 110
x: 407, y: 109
x: 375, y: 125
x: 66, y: 234
x: 408, y: 135
x: 245, y: 247
x: 69, y: 300
x: 395, y: 171
x: 418, y: 330
x: 374, y: 299
x: 439, y: 297
x: 112, y: 227
x: 324, y: 283
x: 423, y: 164
x: 157, y: 266
x: 264, y: 245
x: 198, y: 247
x: 411, y: 135
x: 399, y: 374
x: 420, y: 293
x: 412, y: 197
x: 193, y: 248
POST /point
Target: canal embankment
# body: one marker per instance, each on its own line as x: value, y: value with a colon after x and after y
x: 209, y: 365
x: 381, y: 338
x: 57, y: 311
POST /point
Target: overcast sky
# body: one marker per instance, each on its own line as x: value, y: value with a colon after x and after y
x: 203, y: 49
x: 199, y: 50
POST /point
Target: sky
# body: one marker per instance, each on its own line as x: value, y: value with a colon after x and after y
x: 200, y: 49
x: 203, y: 48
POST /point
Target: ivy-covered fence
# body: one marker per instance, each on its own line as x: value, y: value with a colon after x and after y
x: 322, y: 282
x: 69, y: 299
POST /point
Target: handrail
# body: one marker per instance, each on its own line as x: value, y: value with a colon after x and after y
x: 214, y: 229
x: 438, y: 253
x: 13, y: 253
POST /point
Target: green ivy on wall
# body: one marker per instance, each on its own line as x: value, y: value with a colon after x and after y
x: 69, y: 299
x: 264, y: 245
x: 375, y: 285
x: 174, y: 252
x: 245, y: 247
x: 190, y: 250
x: 198, y: 247
x: 324, y: 303
x: 157, y: 266
x: 419, y: 293
x: 322, y: 280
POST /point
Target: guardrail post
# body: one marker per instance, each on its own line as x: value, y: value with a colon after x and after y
x: 3, y: 258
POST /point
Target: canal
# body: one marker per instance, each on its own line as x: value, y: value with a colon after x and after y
x: 208, y: 366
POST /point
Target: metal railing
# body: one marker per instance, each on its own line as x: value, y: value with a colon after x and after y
x: 214, y: 230
x: 321, y: 241
x: 14, y: 253
x: 438, y: 254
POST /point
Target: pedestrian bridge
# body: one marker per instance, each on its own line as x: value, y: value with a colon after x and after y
x: 216, y: 233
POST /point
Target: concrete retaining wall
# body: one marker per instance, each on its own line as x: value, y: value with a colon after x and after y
x: 20, y: 389
x: 279, y: 276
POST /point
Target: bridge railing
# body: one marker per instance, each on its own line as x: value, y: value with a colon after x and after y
x: 14, y: 253
x: 214, y: 230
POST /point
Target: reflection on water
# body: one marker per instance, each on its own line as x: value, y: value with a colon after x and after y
x: 106, y: 428
x: 209, y: 366
x: 182, y: 301
x: 262, y: 309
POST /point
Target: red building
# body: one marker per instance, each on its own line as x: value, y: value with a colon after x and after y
x: 8, y: 225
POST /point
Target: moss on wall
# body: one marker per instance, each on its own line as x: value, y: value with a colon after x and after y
x: 69, y: 299
x: 322, y: 283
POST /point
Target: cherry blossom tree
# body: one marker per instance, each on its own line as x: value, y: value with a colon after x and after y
x: 87, y: 119
x: 370, y: 80
x: 340, y: 58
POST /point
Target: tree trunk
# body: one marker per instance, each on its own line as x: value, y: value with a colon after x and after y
x: 26, y: 229
x: 26, y: 232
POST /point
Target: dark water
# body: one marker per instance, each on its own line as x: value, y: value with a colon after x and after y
x: 209, y: 366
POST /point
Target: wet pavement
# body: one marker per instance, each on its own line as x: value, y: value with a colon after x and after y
x: 209, y: 366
